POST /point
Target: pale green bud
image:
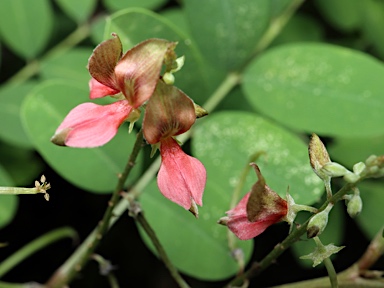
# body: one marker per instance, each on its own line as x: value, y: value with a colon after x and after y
x: 354, y: 206
x: 334, y: 169
x: 318, y: 222
x: 358, y: 168
x: 351, y: 177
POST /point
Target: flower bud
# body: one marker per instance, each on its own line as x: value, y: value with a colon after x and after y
x: 318, y: 156
x: 358, y: 168
x: 318, y: 222
x: 354, y: 205
x: 334, y: 169
x: 351, y: 177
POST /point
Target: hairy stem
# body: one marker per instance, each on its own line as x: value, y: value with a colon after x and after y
x: 76, y: 262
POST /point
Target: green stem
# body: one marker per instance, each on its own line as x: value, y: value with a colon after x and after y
x: 18, y: 285
x: 163, y: 255
x: 276, y: 26
x: 331, y: 272
x: 76, y: 262
x: 35, y: 246
x: 19, y: 190
x: 33, y: 67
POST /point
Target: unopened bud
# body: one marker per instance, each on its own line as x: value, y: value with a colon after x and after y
x: 318, y: 222
x: 358, y: 168
x: 318, y: 155
x: 354, y: 206
x: 351, y: 177
x: 334, y: 169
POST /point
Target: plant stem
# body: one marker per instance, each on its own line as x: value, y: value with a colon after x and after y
x: 33, y: 67
x: 34, y: 246
x: 163, y: 255
x: 76, y: 262
x: 331, y: 272
x: 276, y: 26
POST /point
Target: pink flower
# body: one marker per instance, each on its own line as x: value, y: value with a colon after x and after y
x: 256, y: 211
x: 181, y: 178
x: 134, y: 75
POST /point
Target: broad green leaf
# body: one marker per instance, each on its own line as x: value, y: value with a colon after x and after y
x: 349, y: 151
x: 11, y: 98
x: 128, y: 24
x: 227, y: 31
x: 278, y: 6
x: 97, y: 29
x: 71, y: 66
x: 177, y: 17
x: 343, y: 14
x: 77, y: 10
x: 195, y: 246
x: 225, y: 141
x: 114, y: 5
x: 371, y: 218
x: 25, y: 26
x: 93, y: 169
x: 318, y: 88
x: 372, y: 22
x: 23, y: 165
x: 8, y: 203
x: 333, y: 233
x: 300, y: 28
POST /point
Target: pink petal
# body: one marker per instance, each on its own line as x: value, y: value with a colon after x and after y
x: 138, y: 70
x: 181, y: 178
x: 91, y: 125
x: 98, y: 90
x: 244, y: 230
x: 237, y: 221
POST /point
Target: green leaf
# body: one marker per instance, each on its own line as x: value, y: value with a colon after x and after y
x: 114, y: 5
x: 25, y: 26
x: 343, y: 14
x: 371, y: 218
x: 79, y: 11
x: 224, y: 142
x: 11, y: 98
x: 97, y: 29
x: 300, y: 27
x: 94, y: 169
x: 349, y: 151
x: 195, y: 246
x: 333, y: 233
x: 372, y: 12
x: 318, y: 88
x: 177, y: 17
x: 71, y: 66
x: 8, y: 203
x: 23, y: 165
x: 191, y: 78
x: 227, y: 31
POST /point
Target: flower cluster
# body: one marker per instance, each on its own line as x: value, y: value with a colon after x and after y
x: 134, y: 79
